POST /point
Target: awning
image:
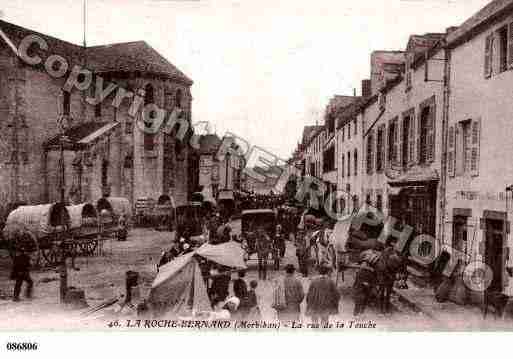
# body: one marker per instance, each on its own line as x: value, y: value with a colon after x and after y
x: 229, y: 254
x: 417, y: 176
x: 98, y: 133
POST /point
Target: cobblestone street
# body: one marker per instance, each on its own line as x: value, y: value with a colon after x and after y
x: 103, y: 277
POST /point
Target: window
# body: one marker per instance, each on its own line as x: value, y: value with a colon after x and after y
x: 407, y: 140
x: 66, y: 103
x: 393, y: 142
x: 331, y: 124
x: 354, y: 126
x: 459, y: 233
x: 423, y: 135
x: 503, y: 48
x: 467, y: 145
x: 348, y: 164
x: 408, y: 72
x: 355, y: 162
x: 343, y: 165
x: 343, y: 133
x: 463, y: 148
x: 329, y: 159
x: 498, y: 53
x: 380, y: 148
x: 370, y: 149
x: 349, y: 131
x: 149, y: 138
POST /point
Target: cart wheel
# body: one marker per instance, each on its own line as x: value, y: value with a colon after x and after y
x: 88, y: 248
x: 52, y: 254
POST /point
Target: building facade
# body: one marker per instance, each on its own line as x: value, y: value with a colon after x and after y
x: 106, y: 152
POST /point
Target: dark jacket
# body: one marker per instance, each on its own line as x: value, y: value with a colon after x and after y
x: 21, y: 266
x: 294, y: 293
x: 322, y: 297
x: 240, y: 289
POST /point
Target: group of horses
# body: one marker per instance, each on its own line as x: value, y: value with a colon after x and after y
x: 377, y: 270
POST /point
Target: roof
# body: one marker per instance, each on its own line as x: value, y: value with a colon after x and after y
x: 421, y: 43
x: 82, y: 134
x: 135, y: 56
x: 309, y: 132
x: 478, y: 21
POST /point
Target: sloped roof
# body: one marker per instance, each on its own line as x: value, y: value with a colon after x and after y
x: 494, y: 9
x: 418, y: 43
x: 132, y: 56
x: 76, y: 133
x: 309, y: 132
x: 135, y: 56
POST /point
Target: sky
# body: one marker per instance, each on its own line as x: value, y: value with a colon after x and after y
x: 262, y: 69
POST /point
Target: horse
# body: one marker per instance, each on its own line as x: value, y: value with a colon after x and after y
x: 379, y: 276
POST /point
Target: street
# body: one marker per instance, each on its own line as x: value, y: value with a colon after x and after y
x: 103, y: 277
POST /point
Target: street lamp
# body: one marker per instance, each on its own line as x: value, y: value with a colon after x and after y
x: 63, y: 270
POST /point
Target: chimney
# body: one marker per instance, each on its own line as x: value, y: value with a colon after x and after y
x: 366, y: 88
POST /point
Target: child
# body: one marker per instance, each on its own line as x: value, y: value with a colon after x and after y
x: 254, y: 310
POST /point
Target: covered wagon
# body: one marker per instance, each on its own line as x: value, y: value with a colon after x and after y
x: 164, y: 214
x: 41, y: 230
x: 113, y: 212
x: 84, y: 228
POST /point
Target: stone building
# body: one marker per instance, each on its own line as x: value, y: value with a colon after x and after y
x: 106, y: 152
x: 402, y: 137
x: 479, y: 144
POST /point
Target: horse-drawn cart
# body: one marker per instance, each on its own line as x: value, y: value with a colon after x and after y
x: 114, y: 213
x: 84, y: 228
x: 41, y: 230
x: 251, y: 221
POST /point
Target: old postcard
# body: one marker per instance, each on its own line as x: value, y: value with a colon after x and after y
x: 288, y: 167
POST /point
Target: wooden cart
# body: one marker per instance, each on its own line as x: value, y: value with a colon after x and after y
x: 112, y: 211
x: 41, y: 230
x: 84, y: 228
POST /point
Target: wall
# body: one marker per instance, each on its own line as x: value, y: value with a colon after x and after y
x: 474, y: 96
x: 399, y: 100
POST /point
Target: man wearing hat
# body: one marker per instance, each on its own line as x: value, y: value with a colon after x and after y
x: 294, y: 295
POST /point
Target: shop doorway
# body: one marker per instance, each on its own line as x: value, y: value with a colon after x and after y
x: 494, y: 251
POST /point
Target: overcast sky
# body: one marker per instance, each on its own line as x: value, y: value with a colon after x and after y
x: 262, y: 69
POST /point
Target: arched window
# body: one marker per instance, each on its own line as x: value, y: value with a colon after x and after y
x: 149, y: 98
x: 178, y: 98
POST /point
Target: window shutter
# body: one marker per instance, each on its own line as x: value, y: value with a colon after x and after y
x: 510, y: 44
x: 451, y: 155
x: 488, y: 57
x: 431, y: 134
x: 411, y: 150
x: 399, y: 152
x: 474, y: 156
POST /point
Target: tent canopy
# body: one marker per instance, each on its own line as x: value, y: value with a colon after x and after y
x: 229, y: 254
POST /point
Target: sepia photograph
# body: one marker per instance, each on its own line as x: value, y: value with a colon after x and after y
x: 239, y: 166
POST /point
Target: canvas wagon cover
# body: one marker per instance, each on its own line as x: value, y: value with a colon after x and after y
x: 75, y: 213
x: 36, y: 219
x: 120, y: 205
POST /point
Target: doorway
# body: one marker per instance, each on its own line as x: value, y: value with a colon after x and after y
x: 494, y: 251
